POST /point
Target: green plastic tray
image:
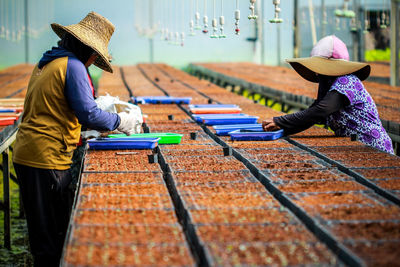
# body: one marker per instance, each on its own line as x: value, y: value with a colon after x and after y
x: 165, y: 138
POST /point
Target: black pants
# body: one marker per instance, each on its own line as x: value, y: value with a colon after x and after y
x: 47, y: 200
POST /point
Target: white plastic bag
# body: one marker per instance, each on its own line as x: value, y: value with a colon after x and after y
x: 114, y: 105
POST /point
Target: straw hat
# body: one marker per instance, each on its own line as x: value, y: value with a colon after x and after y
x: 329, y: 57
x: 94, y: 31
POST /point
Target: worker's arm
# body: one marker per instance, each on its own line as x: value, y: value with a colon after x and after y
x: 318, y: 112
x: 80, y: 99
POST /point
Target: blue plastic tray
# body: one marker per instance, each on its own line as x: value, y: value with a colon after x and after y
x: 201, y: 117
x: 225, y: 129
x: 162, y: 100
x: 250, y: 135
x: 122, y: 143
x: 230, y: 120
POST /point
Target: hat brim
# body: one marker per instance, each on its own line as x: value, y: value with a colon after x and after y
x: 309, y: 67
x: 101, y: 61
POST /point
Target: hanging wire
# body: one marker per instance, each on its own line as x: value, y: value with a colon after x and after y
x: 214, y: 23
x: 205, y: 18
x: 183, y: 23
x: 237, y: 18
x: 222, y: 21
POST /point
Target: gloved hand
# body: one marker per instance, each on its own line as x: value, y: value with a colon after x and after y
x: 130, y: 123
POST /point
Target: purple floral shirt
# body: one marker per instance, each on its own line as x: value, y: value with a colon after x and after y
x: 360, y: 117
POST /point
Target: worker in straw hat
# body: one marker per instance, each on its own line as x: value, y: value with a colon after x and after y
x: 60, y: 98
x: 342, y: 102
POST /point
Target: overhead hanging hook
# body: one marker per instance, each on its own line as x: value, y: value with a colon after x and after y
x: 276, y: 19
x: 252, y: 10
x: 237, y: 18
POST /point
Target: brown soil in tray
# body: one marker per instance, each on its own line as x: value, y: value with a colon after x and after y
x: 393, y: 184
x: 199, y: 177
x: 377, y: 254
x: 284, y: 157
x: 372, y: 163
x: 106, y: 154
x: 242, y: 216
x: 131, y: 234
x: 287, y: 165
x: 331, y: 141
x: 149, y: 255
x: 103, y: 178
x: 307, y: 174
x: 254, y: 200
x: 345, y: 149
x: 379, y: 173
x: 259, y: 144
x: 267, y: 151
x: 362, y: 156
x: 118, y: 216
x: 125, y: 202
x: 332, y: 199
x: 189, y: 152
x: 320, y: 186
x: 271, y: 255
x: 205, y: 163
x: 367, y: 231
x: 120, y: 165
x: 254, y: 233
x: 192, y: 147
x: 355, y: 212
x: 230, y: 188
x: 126, y: 189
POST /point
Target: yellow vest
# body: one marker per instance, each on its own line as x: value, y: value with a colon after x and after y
x: 49, y: 130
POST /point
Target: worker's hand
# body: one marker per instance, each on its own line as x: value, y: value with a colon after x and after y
x: 130, y: 123
x: 269, y: 125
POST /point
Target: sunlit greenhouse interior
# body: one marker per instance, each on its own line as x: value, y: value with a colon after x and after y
x: 200, y: 133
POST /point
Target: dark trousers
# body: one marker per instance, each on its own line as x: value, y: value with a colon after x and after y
x: 47, y: 200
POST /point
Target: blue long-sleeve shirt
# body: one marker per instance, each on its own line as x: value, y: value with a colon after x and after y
x: 78, y: 92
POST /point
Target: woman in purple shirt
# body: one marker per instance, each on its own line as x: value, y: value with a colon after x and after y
x: 342, y: 103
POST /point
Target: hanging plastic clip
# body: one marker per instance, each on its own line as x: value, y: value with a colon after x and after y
x: 215, y: 28
x: 237, y: 18
x: 191, y: 25
x: 182, y: 38
x: 345, y: 12
x: 221, y: 28
x: 276, y: 19
x: 205, y: 22
x: 383, y: 21
x: 197, y: 19
x: 252, y: 10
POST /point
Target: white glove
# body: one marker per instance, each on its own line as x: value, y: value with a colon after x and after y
x: 130, y: 123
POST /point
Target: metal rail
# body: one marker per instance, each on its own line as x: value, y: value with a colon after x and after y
x: 7, y: 137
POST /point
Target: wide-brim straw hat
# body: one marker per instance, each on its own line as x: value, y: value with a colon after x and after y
x: 94, y: 31
x: 329, y: 57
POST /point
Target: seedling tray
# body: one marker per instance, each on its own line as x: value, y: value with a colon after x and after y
x: 7, y: 121
x: 233, y: 120
x: 162, y: 100
x: 200, y: 117
x: 165, y: 138
x: 214, y: 109
x: 123, y: 143
x: 225, y: 129
x: 254, y: 135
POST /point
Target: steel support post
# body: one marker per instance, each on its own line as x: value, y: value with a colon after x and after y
x: 6, y: 199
